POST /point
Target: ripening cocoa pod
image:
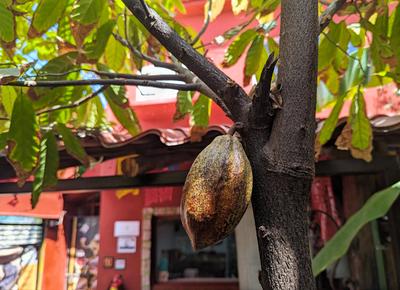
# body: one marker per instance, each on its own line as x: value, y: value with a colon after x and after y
x: 217, y: 192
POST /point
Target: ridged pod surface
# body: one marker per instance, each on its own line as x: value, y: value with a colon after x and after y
x: 217, y: 192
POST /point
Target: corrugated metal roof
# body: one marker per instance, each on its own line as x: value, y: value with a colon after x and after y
x: 163, y: 142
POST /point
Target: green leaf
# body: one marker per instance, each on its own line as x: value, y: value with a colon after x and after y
x: 62, y: 63
x: 47, y: 14
x: 395, y: 35
x: 116, y: 93
x: 330, y: 124
x: 253, y: 56
x: 273, y: 46
x: 47, y: 96
x: 338, y: 35
x: 354, y: 74
x: 332, y: 80
x: 7, y: 24
x: 360, y: 124
x: 96, y: 48
x: 72, y: 145
x: 237, y: 47
x: 184, y: 104
x: 3, y: 140
x: 201, y: 111
x: 46, y: 173
x: 137, y: 33
x: 91, y: 115
x: 256, y: 3
x: 375, y: 207
x: 6, y: 2
x: 355, y: 39
x: 23, y: 137
x: 179, y: 5
x: 126, y: 116
x: 115, y: 54
x: 8, y: 96
x: 88, y: 11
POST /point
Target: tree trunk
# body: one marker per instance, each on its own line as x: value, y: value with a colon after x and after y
x: 282, y: 156
x: 280, y: 205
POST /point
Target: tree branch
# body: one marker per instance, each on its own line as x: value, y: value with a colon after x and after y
x: 73, y: 105
x: 230, y: 93
x: 137, y: 52
x: 327, y: 15
x: 168, y: 77
x: 118, y: 82
x: 183, y: 72
x: 262, y: 109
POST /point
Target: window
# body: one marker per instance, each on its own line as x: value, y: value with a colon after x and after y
x: 146, y: 95
x: 174, y: 259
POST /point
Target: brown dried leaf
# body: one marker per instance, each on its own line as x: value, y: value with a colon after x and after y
x: 365, y: 154
x: 343, y: 142
x: 32, y: 32
x: 197, y: 132
x: 65, y: 47
x: 80, y: 31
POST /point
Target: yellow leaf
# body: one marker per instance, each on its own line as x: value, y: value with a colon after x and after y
x: 265, y: 18
x: 216, y: 8
x: 239, y: 6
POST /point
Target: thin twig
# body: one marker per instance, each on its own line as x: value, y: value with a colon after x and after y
x: 362, y: 19
x: 345, y: 52
x: 206, y: 23
x: 137, y: 52
x: 74, y: 104
x: 118, y: 82
x: 327, y: 15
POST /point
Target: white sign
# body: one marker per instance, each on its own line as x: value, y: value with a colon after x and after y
x: 126, y: 228
x: 126, y: 245
x: 119, y: 264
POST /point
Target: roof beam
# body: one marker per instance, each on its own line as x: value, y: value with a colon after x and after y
x: 177, y: 178
x: 174, y: 178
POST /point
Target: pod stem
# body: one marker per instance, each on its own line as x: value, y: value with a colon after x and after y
x: 232, y: 130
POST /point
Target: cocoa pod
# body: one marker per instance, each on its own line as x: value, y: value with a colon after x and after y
x: 217, y: 192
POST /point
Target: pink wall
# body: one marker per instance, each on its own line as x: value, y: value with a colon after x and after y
x: 129, y: 207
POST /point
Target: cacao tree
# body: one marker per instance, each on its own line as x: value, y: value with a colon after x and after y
x: 63, y: 62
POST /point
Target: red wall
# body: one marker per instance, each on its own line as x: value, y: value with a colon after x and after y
x: 127, y: 208
x: 55, y: 259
